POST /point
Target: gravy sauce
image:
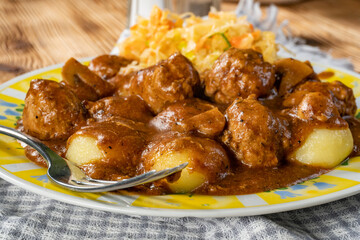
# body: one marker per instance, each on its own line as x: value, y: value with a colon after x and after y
x: 241, y: 180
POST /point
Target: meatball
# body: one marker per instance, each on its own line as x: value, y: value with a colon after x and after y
x: 168, y: 81
x: 191, y: 115
x: 51, y: 111
x: 255, y: 134
x: 86, y: 84
x: 341, y: 95
x: 132, y: 108
x: 107, y: 66
x: 239, y: 73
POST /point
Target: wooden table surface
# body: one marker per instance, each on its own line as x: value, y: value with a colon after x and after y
x: 38, y: 33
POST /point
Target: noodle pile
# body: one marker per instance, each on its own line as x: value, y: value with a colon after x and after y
x: 200, y: 40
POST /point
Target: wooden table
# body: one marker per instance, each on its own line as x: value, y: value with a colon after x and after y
x: 38, y: 33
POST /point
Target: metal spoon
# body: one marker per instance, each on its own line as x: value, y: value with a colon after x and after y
x: 66, y: 174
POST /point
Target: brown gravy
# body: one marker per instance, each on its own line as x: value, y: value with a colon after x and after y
x: 325, y: 75
x: 323, y: 107
x: 241, y: 180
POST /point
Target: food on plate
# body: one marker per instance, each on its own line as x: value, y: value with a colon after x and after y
x: 107, y: 66
x: 85, y: 83
x: 325, y: 147
x: 209, y: 92
x: 191, y: 115
x: 239, y: 73
x: 132, y: 108
x: 202, y: 41
x: 328, y: 140
x: 52, y: 111
x: 246, y: 144
x: 256, y: 136
x: 292, y: 73
x: 342, y: 96
x: 169, y: 80
x: 110, y: 150
x: 208, y: 161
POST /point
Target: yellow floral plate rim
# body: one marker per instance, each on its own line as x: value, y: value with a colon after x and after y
x: 342, y: 182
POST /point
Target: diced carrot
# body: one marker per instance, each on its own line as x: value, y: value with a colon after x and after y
x: 251, y: 27
x: 256, y: 34
x: 213, y: 15
x: 236, y: 41
x: 242, y: 41
x: 134, y: 27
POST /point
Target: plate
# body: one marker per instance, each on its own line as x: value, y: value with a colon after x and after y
x: 343, y: 181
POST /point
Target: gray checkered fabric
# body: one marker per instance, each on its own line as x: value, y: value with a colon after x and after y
x: 24, y: 215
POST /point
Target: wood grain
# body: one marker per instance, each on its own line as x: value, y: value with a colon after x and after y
x: 332, y: 25
x: 38, y: 33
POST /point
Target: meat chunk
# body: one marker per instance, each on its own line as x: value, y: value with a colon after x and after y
x: 316, y: 105
x: 255, y: 134
x: 132, y: 107
x: 311, y: 106
x: 191, y: 115
x: 86, y: 84
x: 341, y: 95
x: 51, y: 111
x: 107, y: 66
x: 168, y: 81
x: 239, y: 73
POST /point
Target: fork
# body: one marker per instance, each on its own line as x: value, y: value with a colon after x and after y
x: 252, y: 10
x: 67, y: 175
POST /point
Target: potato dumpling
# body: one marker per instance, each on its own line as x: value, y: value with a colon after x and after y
x: 106, y: 150
x: 325, y: 148
x: 208, y: 161
x: 83, y: 150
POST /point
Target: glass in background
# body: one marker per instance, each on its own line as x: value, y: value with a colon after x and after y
x: 143, y: 7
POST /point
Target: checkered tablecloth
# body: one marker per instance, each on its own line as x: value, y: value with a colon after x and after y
x: 24, y: 215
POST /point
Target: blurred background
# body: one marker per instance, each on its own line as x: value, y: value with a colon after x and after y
x: 38, y: 33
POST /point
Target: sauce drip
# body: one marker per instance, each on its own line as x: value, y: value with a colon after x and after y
x: 325, y: 75
x: 354, y: 125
